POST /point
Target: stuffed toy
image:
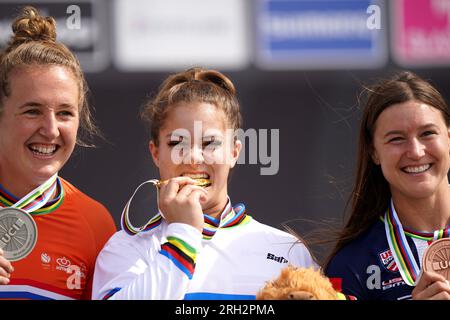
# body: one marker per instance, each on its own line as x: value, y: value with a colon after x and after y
x: 299, y: 284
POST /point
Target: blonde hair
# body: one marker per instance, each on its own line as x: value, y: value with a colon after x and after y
x: 34, y: 43
x: 193, y: 85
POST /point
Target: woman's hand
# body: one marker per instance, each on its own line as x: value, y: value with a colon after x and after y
x: 431, y: 286
x: 180, y: 201
x: 5, y: 269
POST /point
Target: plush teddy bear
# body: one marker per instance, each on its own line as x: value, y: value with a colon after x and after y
x: 299, y: 284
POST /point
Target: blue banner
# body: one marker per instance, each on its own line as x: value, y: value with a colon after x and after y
x: 309, y: 34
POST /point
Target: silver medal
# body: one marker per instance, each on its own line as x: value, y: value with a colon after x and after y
x: 18, y: 233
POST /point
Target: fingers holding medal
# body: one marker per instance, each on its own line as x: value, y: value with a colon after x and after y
x: 5, y: 269
x: 180, y: 201
x: 434, y: 281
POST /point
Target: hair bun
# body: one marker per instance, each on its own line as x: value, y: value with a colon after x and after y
x: 217, y: 78
x: 31, y: 26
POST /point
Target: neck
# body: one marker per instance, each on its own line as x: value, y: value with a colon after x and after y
x: 20, y: 188
x: 427, y: 214
x: 17, y: 189
x: 216, y: 210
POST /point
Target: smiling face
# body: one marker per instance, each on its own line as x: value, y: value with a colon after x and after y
x: 38, y: 125
x: 411, y: 143
x: 194, y: 141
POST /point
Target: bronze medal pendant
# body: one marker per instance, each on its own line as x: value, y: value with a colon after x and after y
x: 437, y: 257
x: 18, y: 233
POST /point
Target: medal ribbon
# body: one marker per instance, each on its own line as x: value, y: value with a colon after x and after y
x: 230, y: 217
x: 399, y: 246
x: 153, y: 222
x: 38, y: 197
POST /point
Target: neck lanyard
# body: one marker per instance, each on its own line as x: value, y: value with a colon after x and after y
x: 400, y: 249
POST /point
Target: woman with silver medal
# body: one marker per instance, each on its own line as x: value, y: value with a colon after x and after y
x: 401, y: 199
x: 200, y: 245
x: 50, y: 232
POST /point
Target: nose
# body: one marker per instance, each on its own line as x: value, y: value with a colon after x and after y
x: 195, y: 155
x: 416, y: 149
x: 49, y: 126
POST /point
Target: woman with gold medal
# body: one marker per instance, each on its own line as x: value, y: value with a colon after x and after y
x: 50, y: 232
x: 401, y: 199
x: 200, y: 245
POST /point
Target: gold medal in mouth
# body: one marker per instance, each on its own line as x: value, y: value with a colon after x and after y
x: 201, y: 182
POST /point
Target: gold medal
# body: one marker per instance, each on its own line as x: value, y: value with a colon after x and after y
x: 201, y: 182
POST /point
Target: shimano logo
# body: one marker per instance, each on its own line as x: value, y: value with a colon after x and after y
x: 273, y: 257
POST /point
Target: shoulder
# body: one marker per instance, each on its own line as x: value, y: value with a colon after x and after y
x: 95, y: 214
x: 281, y: 241
x: 360, y: 251
x: 270, y: 233
x: 72, y: 193
x: 83, y: 203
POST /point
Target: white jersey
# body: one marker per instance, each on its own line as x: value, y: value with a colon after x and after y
x: 232, y: 259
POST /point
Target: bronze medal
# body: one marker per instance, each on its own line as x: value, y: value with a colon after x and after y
x: 437, y: 257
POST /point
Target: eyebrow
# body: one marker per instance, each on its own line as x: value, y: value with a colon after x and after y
x: 426, y: 126
x: 30, y: 104
x: 174, y: 135
x: 40, y: 105
x: 212, y: 136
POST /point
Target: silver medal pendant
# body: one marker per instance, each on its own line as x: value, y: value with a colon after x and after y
x: 18, y: 233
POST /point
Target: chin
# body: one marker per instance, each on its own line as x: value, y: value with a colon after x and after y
x: 421, y: 192
x: 44, y: 174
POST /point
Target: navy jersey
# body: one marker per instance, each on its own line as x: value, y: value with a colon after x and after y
x: 365, y: 268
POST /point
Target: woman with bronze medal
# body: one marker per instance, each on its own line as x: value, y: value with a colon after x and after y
x: 50, y: 232
x: 390, y: 247
x: 200, y: 245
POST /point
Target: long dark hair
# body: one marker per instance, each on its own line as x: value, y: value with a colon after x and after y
x: 371, y: 194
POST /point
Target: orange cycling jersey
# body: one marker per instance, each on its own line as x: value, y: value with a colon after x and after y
x: 72, y: 229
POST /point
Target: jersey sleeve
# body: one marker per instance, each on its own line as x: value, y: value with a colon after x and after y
x: 102, y: 228
x: 98, y: 226
x: 346, y: 276
x: 146, y: 267
x: 301, y: 257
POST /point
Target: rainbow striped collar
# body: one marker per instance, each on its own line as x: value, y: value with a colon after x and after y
x: 425, y: 236
x: 231, y: 216
x: 400, y: 249
x: 7, y: 199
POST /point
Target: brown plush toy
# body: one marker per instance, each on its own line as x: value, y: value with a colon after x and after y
x: 299, y: 284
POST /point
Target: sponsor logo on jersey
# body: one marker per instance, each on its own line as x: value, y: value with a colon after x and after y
x: 63, y: 264
x: 45, y: 258
x: 271, y: 256
x: 392, y: 283
x: 388, y: 261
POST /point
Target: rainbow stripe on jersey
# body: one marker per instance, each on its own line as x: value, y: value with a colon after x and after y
x: 183, y: 255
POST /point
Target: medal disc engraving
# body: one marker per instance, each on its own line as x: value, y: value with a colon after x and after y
x: 437, y: 258
x: 18, y: 233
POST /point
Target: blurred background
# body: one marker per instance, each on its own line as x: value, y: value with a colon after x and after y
x: 299, y: 66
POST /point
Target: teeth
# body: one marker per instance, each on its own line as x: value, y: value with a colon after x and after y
x: 43, y: 149
x: 418, y: 169
x: 196, y: 175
